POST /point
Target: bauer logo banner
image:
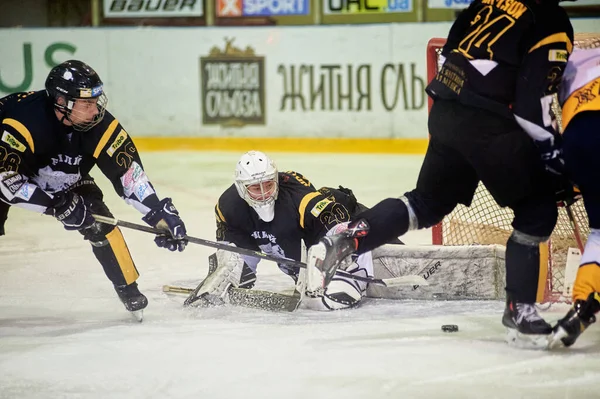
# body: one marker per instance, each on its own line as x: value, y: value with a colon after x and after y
x: 233, y: 87
x: 152, y: 8
x: 349, y: 7
x: 449, y: 4
x: 262, y: 8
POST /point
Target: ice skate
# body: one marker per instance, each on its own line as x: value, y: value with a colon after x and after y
x: 134, y: 301
x: 323, y: 260
x: 580, y: 316
x: 525, y: 327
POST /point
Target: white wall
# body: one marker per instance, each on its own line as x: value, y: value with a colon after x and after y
x: 152, y: 75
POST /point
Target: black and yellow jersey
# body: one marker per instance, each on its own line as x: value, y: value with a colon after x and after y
x: 301, y: 213
x: 40, y: 156
x: 507, y: 56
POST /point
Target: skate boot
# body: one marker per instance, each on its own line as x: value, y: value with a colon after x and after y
x: 133, y: 299
x: 525, y: 327
x: 325, y: 257
x: 579, y: 317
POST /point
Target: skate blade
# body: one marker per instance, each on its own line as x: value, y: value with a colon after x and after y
x: 138, y: 315
x: 526, y: 341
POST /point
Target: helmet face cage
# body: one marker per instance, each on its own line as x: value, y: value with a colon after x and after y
x: 76, y: 89
x: 257, y: 180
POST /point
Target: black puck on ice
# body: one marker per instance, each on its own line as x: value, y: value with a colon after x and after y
x: 449, y: 328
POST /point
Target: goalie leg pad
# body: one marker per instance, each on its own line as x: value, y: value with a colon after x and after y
x: 228, y: 272
x: 340, y: 293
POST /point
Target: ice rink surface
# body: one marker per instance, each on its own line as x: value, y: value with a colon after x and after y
x: 64, y: 333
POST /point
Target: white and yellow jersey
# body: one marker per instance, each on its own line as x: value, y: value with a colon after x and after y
x: 580, y: 87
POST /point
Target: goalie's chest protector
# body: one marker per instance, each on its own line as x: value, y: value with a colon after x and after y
x: 282, y: 236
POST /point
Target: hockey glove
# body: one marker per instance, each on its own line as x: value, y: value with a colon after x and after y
x: 165, y: 217
x: 551, y: 154
x: 70, y: 209
x: 566, y: 193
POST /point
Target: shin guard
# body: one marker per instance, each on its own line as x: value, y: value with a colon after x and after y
x: 114, y: 256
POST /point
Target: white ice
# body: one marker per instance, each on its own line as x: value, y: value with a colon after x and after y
x: 64, y: 333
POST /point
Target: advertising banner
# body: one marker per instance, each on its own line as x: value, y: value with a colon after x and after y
x: 262, y: 8
x: 353, y: 7
x: 152, y: 8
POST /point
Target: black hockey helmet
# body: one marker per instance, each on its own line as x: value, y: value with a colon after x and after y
x: 75, y: 80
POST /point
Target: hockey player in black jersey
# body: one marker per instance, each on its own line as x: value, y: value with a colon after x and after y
x: 491, y: 122
x: 50, y: 141
x: 273, y: 212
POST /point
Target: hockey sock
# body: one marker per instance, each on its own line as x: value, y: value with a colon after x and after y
x: 387, y: 220
x: 523, y: 267
x: 115, y: 258
x: 588, y: 274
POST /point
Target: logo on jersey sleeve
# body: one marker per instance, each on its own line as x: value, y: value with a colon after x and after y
x: 558, y: 55
x: 119, y: 140
x: 318, y: 208
x: 13, y: 142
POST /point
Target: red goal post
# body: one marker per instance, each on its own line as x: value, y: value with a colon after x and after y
x: 485, y: 223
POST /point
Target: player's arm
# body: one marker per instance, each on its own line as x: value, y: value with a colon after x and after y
x: 16, y: 158
x: 16, y: 165
x: 230, y: 233
x: 118, y: 158
x: 319, y: 213
x: 538, y: 82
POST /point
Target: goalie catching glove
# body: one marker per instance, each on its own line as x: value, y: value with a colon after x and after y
x: 165, y: 217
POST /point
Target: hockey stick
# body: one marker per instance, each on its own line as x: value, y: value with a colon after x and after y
x: 386, y: 282
x: 575, y: 228
x: 257, y: 299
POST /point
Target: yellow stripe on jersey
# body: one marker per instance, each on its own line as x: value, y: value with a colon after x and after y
x: 23, y: 131
x: 105, y: 137
x: 304, y: 204
x: 587, y: 281
x: 219, y: 213
x: 543, y: 274
x: 555, y: 38
x: 586, y: 98
x: 121, y: 252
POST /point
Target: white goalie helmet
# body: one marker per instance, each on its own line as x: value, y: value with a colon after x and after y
x: 257, y: 182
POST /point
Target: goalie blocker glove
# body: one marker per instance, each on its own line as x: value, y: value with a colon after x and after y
x: 164, y: 216
x: 70, y: 209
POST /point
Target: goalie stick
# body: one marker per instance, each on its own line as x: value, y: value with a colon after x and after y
x: 386, y: 282
x: 257, y: 299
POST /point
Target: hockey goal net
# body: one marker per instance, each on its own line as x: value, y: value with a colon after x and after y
x: 485, y: 223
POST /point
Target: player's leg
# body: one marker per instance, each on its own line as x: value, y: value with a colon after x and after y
x: 445, y: 180
x: 110, y: 249
x: 510, y: 167
x: 581, y: 144
x: 4, y: 207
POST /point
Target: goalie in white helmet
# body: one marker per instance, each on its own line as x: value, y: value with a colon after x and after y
x: 273, y: 212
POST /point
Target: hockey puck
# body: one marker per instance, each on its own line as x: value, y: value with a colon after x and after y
x: 449, y: 328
